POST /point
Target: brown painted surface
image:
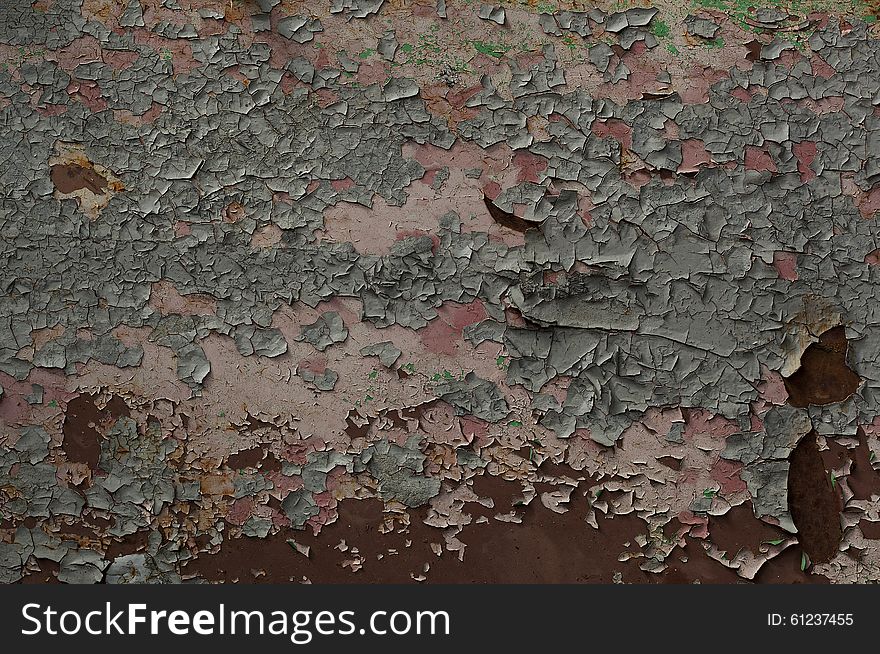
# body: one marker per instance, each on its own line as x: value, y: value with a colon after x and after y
x: 690, y: 564
x: 815, y: 506
x: 740, y: 529
x: 824, y: 377
x: 68, y: 178
x: 786, y: 569
x: 546, y: 548
x: 863, y: 480
x: 83, y: 427
x: 507, y: 219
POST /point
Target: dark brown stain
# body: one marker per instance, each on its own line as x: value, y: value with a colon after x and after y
x: 397, y: 417
x: 252, y: 424
x: 547, y: 467
x: 863, y: 480
x: 656, y: 96
x: 354, y: 430
x: 71, y: 177
x: 786, y: 569
x: 814, y: 505
x: 754, y: 48
x: 870, y: 530
x: 270, y: 463
x: 670, y: 462
x: 79, y: 531
x: 739, y: 529
x: 823, y: 377
x: 507, y: 219
x: 690, y: 564
x: 814, y: 501
x: 47, y: 574
x: 129, y: 544
x: 255, y: 457
x: 83, y: 427
x: 546, y: 548
x: 245, y: 458
x: 549, y: 548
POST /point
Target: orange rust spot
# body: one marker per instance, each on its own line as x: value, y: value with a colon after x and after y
x: 233, y: 212
x: 217, y: 484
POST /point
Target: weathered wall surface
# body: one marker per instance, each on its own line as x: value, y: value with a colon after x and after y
x: 392, y: 291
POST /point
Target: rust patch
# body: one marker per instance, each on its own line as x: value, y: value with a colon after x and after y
x: 863, y: 480
x: 71, y: 177
x: 47, y: 574
x: 786, y: 569
x: 690, y: 564
x: 233, y: 212
x: 546, y: 548
x: 129, y: 544
x: 670, y: 462
x: 870, y: 530
x: 507, y: 219
x: 739, y: 529
x: 245, y: 458
x: 83, y: 426
x: 255, y: 457
x: 823, y: 376
x: 814, y: 505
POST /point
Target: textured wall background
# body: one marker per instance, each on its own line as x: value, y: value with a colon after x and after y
x: 391, y: 291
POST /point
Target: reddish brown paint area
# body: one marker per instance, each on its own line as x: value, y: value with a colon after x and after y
x: 805, y: 152
x: 823, y: 377
x: 83, y: 427
x: 863, y: 480
x: 68, y: 178
x: 528, y: 166
x: 616, y: 129
x: 759, y: 160
x: 444, y: 334
x: 786, y: 265
x: 870, y: 530
x: 869, y: 203
x: 546, y: 548
x: 814, y: 505
x: 693, y: 156
x: 254, y: 457
x: 739, y: 529
x: 89, y: 93
x: 786, y: 569
x: 727, y: 474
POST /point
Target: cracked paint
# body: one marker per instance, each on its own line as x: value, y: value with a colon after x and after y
x: 439, y: 291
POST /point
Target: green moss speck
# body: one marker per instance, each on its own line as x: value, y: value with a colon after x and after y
x: 496, y: 50
x: 660, y: 28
